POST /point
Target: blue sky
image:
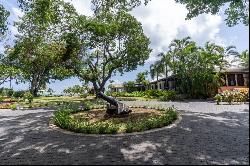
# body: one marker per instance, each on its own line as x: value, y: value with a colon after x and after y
x: 162, y: 22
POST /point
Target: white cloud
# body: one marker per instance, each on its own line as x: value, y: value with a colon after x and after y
x: 82, y: 6
x: 164, y: 21
x: 17, y: 12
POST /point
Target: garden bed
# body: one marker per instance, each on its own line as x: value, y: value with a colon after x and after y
x: 96, y: 121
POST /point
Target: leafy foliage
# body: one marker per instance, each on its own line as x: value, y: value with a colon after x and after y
x: 129, y: 86
x: 19, y: 94
x: 39, y: 29
x: 237, y: 10
x: 230, y: 96
x: 164, y: 95
x: 28, y: 96
x: 102, y: 46
x: 77, y: 89
x: 13, y: 106
x: 194, y: 67
x: 4, y: 14
x: 64, y: 120
x: 243, y: 58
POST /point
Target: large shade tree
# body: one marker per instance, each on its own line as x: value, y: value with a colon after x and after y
x: 37, y: 50
x: 110, y: 42
x: 237, y: 11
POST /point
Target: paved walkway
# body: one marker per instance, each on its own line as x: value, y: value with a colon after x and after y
x: 207, y: 134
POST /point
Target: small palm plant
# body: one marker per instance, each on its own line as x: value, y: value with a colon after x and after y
x: 218, y: 99
x: 28, y: 96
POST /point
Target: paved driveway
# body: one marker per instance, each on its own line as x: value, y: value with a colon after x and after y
x: 207, y: 134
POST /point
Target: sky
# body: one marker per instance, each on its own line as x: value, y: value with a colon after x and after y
x: 162, y: 21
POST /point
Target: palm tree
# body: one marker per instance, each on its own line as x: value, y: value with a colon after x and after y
x: 176, y: 49
x: 243, y: 58
x: 225, y: 52
x: 165, y: 61
x: 156, y: 70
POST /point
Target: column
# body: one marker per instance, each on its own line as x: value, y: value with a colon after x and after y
x: 236, y: 79
x: 226, y: 80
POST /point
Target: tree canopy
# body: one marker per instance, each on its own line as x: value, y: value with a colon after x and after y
x: 4, y: 14
x: 194, y: 67
x: 108, y: 47
x: 37, y: 51
x: 237, y: 10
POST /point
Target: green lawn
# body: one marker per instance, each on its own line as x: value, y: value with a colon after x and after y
x: 52, y: 102
x: 39, y: 102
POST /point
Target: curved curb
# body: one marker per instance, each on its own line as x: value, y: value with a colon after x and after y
x: 174, y: 124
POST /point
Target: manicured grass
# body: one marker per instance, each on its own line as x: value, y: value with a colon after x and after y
x: 39, y: 102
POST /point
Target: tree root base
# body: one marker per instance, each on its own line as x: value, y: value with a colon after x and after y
x: 122, y: 109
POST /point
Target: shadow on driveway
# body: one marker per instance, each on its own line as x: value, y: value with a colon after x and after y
x: 198, y: 139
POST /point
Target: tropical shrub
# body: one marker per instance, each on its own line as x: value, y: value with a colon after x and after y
x: 18, y: 94
x: 28, y: 96
x: 13, y: 106
x: 7, y: 92
x: 164, y: 95
x: 168, y: 95
x: 126, y: 94
x: 218, y: 98
x: 231, y: 96
x: 126, y: 99
x: 1, y: 98
x: 63, y: 119
x: 84, y: 95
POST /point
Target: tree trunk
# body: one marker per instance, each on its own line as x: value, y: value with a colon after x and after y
x: 34, y: 88
x: 34, y: 91
x: 115, y: 107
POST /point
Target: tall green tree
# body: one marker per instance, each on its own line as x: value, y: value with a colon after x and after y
x: 141, y: 79
x: 179, y: 58
x: 106, y: 46
x: 37, y: 52
x: 165, y: 60
x: 156, y: 70
x: 194, y: 66
x: 129, y: 86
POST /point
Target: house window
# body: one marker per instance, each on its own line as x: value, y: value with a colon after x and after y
x: 160, y: 85
x: 240, y: 80
x: 231, y: 80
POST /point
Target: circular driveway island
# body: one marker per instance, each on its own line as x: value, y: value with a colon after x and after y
x: 207, y: 134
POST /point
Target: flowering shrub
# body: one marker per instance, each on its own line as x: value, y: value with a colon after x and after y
x: 230, y: 96
x: 5, y: 105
